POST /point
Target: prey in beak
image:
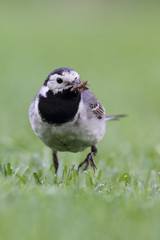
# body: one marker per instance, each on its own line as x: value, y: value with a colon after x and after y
x: 78, y: 85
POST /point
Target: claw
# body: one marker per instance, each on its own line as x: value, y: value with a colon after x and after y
x: 92, y: 163
x: 87, y: 161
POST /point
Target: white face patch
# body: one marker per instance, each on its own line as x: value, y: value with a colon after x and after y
x: 67, y: 78
x: 54, y: 77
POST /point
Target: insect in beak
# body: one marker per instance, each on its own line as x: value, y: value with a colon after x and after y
x: 78, y: 85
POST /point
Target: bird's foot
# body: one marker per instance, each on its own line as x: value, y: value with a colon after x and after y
x: 87, y: 161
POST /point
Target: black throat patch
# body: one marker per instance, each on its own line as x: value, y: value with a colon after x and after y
x: 59, y: 108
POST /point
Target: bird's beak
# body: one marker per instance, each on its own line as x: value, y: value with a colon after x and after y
x: 76, y: 82
x: 78, y: 85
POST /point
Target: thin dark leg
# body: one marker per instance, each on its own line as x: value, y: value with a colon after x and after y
x: 94, y: 150
x: 55, y: 161
x: 89, y: 159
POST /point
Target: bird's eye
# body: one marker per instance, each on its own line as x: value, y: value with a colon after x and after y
x: 59, y: 80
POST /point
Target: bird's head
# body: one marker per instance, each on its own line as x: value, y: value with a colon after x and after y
x: 64, y: 78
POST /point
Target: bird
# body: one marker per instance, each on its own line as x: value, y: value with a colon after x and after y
x: 67, y: 117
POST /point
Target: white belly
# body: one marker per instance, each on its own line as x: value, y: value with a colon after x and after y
x: 73, y: 136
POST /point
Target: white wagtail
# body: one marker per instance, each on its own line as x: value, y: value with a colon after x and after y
x: 66, y: 116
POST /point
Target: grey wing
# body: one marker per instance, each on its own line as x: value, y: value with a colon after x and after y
x: 93, y: 105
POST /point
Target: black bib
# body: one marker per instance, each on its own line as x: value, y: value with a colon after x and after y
x: 59, y: 108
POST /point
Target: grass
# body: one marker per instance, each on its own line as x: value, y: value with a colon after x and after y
x: 115, y: 46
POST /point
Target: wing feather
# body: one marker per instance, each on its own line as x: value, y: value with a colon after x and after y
x: 98, y: 109
x: 93, y: 104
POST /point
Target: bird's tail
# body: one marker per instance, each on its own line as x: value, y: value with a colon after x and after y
x: 114, y: 117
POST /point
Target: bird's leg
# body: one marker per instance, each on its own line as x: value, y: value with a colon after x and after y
x: 89, y: 159
x: 94, y: 150
x: 55, y: 161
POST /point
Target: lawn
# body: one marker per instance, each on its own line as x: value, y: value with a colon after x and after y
x: 115, y: 46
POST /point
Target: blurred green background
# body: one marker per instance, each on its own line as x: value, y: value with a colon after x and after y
x: 115, y: 46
